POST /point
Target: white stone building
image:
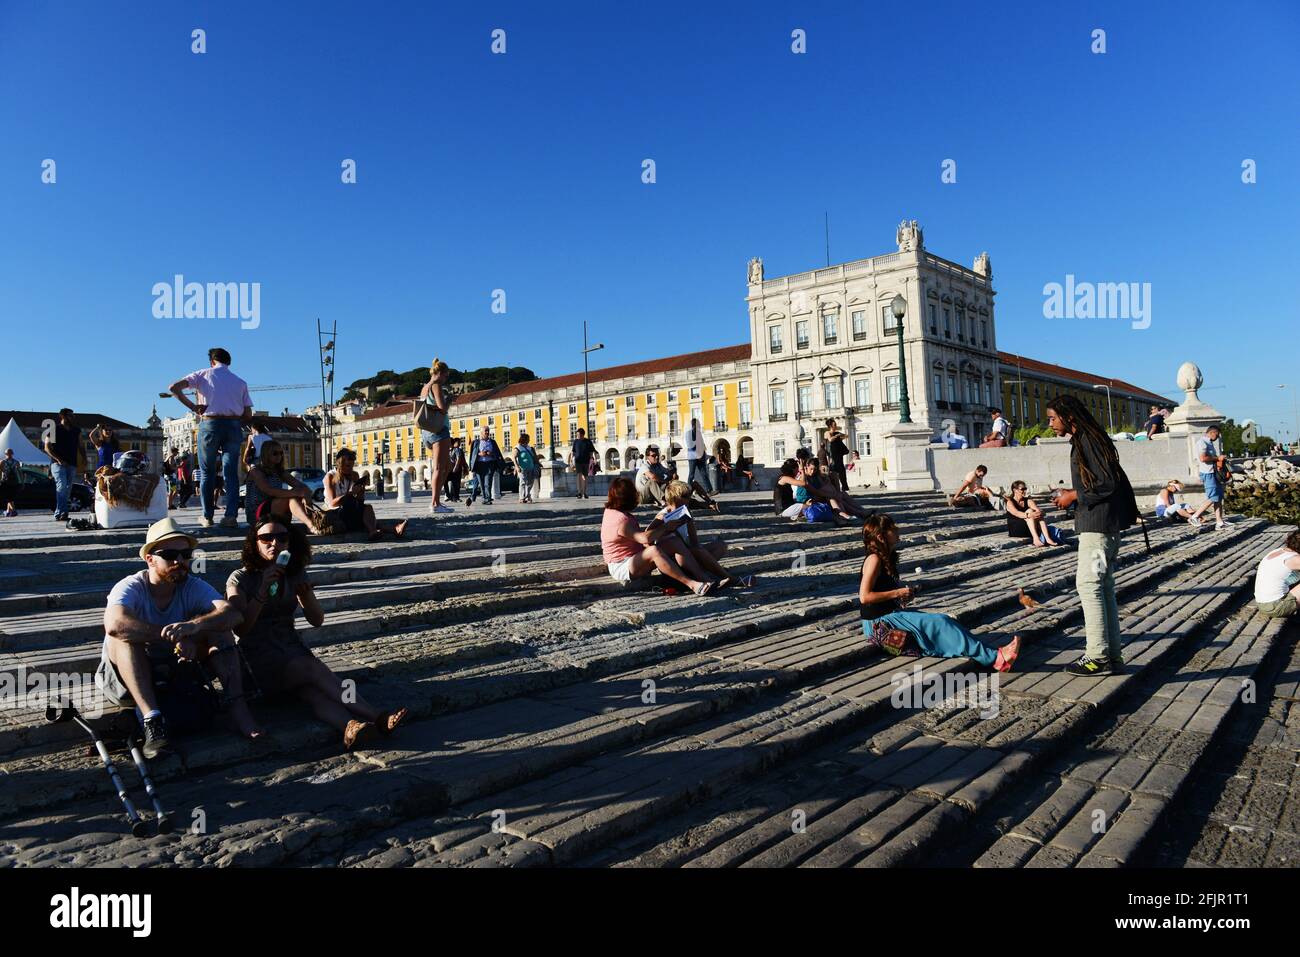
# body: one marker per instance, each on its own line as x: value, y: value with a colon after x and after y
x: 825, y: 345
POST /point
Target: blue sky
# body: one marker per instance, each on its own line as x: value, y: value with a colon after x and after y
x: 523, y: 172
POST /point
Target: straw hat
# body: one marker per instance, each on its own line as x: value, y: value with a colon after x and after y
x: 163, y: 530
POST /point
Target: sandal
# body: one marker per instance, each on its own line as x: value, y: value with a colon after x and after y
x: 706, y: 588
x: 358, y: 734
x: 1007, y: 655
x: 390, y: 721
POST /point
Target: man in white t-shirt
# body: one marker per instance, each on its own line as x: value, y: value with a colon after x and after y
x: 697, y: 457
x: 159, y: 616
x: 997, y: 437
x: 1212, y: 466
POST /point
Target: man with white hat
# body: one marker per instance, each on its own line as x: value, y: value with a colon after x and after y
x: 163, y: 614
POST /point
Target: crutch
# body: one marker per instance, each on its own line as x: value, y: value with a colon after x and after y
x: 68, y: 712
x: 163, y: 821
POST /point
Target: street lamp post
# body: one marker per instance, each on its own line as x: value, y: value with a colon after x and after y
x: 1295, y: 404
x: 586, y: 386
x: 1110, y: 418
x: 899, y: 309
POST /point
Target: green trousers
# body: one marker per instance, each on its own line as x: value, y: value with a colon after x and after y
x: 1095, y: 581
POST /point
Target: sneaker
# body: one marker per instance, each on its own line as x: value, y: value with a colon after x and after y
x: 206, y: 521
x: 443, y: 510
x: 1091, y: 667
x: 155, y: 736
x: 230, y: 522
x: 1220, y: 526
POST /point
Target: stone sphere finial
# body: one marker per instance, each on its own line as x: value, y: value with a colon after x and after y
x: 1189, y: 377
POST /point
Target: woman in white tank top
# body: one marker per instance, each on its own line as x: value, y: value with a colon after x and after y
x: 1277, y: 593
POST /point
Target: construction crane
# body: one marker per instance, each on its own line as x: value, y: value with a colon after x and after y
x: 262, y: 388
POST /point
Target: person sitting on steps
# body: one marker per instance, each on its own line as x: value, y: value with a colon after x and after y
x: 267, y: 596
x: 678, y: 495
x: 888, y: 626
x: 269, y: 481
x: 345, y: 492
x: 632, y: 553
x: 1025, y: 519
x: 973, y: 493
x: 1277, y: 579
x: 161, y: 616
x: 1168, y: 506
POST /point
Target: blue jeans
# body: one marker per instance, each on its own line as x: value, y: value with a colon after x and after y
x: 220, y: 441
x: 697, y: 467
x: 63, y: 479
x: 939, y: 636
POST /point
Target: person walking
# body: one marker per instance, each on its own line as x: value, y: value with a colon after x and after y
x: 697, y: 457
x: 580, y: 458
x: 527, y: 467
x: 63, y: 449
x: 458, y: 470
x: 225, y: 405
x: 484, y: 459
x: 1213, y: 469
x: 184, y: 479
x: 1104, y: 507
x: 437, y: 399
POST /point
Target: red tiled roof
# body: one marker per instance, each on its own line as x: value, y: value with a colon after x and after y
x: 1064, y: 372
x: 85, y: 420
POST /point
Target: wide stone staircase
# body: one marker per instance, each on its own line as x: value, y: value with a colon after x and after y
x: 559, y: 718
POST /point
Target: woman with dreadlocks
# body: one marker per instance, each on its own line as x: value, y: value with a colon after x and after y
x: 891, y: 629
x: 1104, y: 507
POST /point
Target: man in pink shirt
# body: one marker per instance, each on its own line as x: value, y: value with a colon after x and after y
x: 225, y: 405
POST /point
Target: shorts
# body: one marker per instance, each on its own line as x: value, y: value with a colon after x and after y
x: 621, y: 572
x: 1213, y: 487
x: 427, y: 439
x: 1284, y: 607
x: 110, y: 682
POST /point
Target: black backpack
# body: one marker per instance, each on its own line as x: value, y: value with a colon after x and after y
x: 186, y: 697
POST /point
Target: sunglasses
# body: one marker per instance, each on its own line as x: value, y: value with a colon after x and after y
x: 173, y: 555
x: 273, y: 537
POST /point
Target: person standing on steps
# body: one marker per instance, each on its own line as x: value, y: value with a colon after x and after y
x: 62, y: 449
x: 1104, y: 507
x: 106, y: 445
x: 526, y: 467
x: 580, y: 458
x: 837, y: 450
x: 437, y: 399
x: 224, y: 405
x: 697, y: 458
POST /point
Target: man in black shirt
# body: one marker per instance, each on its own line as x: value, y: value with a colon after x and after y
x: 62, y: 449
x: 580, y: 458
x: 1104, y: 507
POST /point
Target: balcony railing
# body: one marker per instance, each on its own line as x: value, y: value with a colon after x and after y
x: 777, y: 417
x: 801, y: 344
x: 719, y: 426
x: 889, y: 407
x: 831, y: 340
x: 859, y: 336
x: 745, y: 425
x: 774, y: 349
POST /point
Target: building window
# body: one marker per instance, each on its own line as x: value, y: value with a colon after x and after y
x: 778, y: 450
x: 537, y: 434
x: 831, y: 393
x: 891, y: 390
x: 630, y: 402
x: 864, y: 444
x: 609, y: 404
x: 774, y: 338
x: 947, y: 323
x: 984, y: 332
x: 555, y: 436
x: 801, y: 334
x: 862, y: 393
x: 611, y: 427
x: 652, y: 425
x: 649, y: 398
x: 938, y: 387
x: 1037, y: 413
x: 505, y: 440
x: 830, y: 328
x: 859, y: 324
x: 573, y: 410
x: 695, y: 392
x: 934, y: 322
x: 1024, y: 409
x: 743, y: 388
x: 672, y: 398
x: 961, y: 323
x: 988, y: 393
x: 673, y: 422
x: 891, y: 324
x: 953, y: 394
x: 631, y: 425
x: 778, y: 402
x: 720, y: 416
x: 744, y: 413
x: 573, y: 431
x: 805, y: 399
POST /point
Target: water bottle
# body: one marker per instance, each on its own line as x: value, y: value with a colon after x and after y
x: 282, y: 560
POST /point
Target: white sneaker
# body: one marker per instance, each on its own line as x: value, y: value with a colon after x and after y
x: 1220, y: 526
x: 205, y: 522
x: 1195, y: 524
x: 443, y: 509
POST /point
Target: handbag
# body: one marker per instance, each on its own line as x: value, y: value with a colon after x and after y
x: 892, y: 641
x: 817, y: 512
x: 428, y: 416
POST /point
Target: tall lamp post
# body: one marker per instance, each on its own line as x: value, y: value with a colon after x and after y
x: 586, y: 386
x: 1110, y: 418
x: 899, y: 309
x: 1295, y: 404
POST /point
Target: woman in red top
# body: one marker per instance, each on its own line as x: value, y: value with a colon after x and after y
x: 632, y: 553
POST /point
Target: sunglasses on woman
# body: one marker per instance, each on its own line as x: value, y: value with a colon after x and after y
x: 273, y: 537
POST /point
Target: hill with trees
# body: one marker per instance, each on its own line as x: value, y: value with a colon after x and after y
x: 410, y: 383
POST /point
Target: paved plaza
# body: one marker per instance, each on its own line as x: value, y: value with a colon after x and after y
x: 561, y: 719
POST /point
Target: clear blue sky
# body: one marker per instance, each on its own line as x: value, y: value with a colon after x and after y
x: 523, y: 172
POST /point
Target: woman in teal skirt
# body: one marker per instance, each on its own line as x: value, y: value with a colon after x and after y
x: 892, y: 629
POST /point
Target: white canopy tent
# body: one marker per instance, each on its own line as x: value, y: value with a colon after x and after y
x: 13, y: 438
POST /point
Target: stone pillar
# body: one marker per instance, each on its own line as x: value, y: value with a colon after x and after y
x: 557, y: 481
x: 404, y: 487
x: 1190, y: 420
x: 907, y: 451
